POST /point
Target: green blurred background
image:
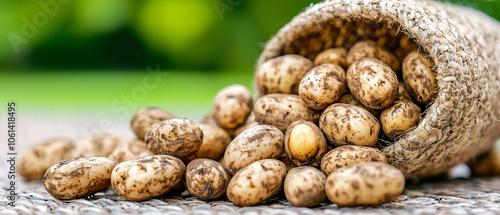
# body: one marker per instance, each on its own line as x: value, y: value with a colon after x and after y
x: 69, y: 55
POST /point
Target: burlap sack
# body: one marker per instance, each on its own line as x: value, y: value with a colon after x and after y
x: 464, y: 46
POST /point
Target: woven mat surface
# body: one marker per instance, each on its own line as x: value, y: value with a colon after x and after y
x: 472, y: 196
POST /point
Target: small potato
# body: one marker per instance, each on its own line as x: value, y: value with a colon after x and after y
x: 348, y: 155
x: 418, y: 75
x: 208, y: 118
x: 129, y: 150
x: 305, y: 144
x: 256, y: 182
x: 215, y: 141
x: 288, y: 163
x: 345, y: 124
x: 403, y: 94
x: 96, y: 146
x: 282, y: 74
x: 280, y: 110
x: 349, y: 99
x: 370, y: 49
x: 322, y: 85
x: 364, y: 184
x: 232, y: 105
x: 147, y: 177
x: 177, y: 137
x: 399, y: 117
x: 78, y: 177
x: 145, y: 117
x: 332, y: 55
x: 257, y: 143
x: 305, y: 186
x: 206, y: 179
x: 372, y: 83
x: 35, y: 161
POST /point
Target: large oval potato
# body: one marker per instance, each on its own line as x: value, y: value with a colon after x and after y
x: 78, y: 177
x: 257, y: 143
x: 232, y: 105
x: 419, y: 77
x: 146, y: 117
x: 177, y: 137
x: 147, y: 177
x: 322, y: 85
x: 347, y: 155
x: 130, y: 150
x: 345, y: 124
x: 256, y: 182
x: 35, y: 161
x: 305, y: 186
x: 280, y: 110
x: 282, y: 74
x: 206, y: 179
x: 364, y: 184
x: 372, y: 83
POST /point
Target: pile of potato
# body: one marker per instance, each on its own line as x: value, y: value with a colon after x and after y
x: 311, y: 135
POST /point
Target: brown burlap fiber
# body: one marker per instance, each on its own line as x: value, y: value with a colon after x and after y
x: 464, y: 46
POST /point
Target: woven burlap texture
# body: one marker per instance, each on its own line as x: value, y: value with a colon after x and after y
x: 462, y: 43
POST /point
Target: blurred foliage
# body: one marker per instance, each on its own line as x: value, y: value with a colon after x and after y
x: 64, y: 35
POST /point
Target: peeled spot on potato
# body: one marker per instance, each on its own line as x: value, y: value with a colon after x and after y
x: 305, y: 144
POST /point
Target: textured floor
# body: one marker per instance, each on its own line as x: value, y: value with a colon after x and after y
x: 473, y: 196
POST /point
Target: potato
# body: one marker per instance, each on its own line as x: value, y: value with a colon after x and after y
x: 145, y: 117
x: 345, y: 124
x: 232, y: 105
x: 256, y: 182
x: 282, y: 74
x: 322, y: 85
x: 332, y: 55
x: 288, y: 163
x: 370, y: 49
x: 147, y: 177
x: 38, y: 158
x: 96, y: 146
x: 372, y: 83
x: 305, y: 186
x: 215, y: 141
x: 349, y: 99
x: 177, y: 137
x: 257, y: 143
x: 399, y: 118
x: 280, y: 110
x: 364, y: 184
x: 130, y: 150
x: 403, y: 93
x: 78, y: 177
x: 406, y: 45
x: 208, y: 118
x: 206, y: 179
x: 487, y: 164
x: 419, y: 77
x: 245, y: 127
x: 305, y: 144
x: 348, y: 155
